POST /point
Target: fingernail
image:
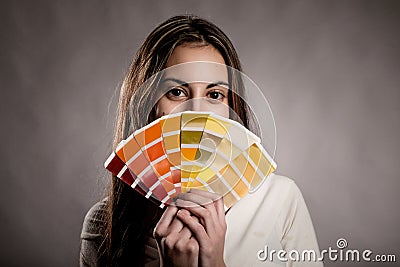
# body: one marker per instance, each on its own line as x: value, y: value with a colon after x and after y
x: 183, y: 212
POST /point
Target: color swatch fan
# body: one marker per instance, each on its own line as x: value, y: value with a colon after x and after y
x: 191, y: 150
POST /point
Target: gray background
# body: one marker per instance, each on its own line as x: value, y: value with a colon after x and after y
x: 329, y: 69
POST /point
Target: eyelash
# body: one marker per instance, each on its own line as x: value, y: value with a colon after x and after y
x: 221, y: 95
x: 170, y: 93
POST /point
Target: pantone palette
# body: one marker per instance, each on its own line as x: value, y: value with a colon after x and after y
x: 191, y: 150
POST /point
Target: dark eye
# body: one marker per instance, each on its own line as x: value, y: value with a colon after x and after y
x: 216, y: 95
x: 176, y: 92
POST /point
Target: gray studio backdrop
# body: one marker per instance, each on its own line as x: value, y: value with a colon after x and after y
x: 330, y: 70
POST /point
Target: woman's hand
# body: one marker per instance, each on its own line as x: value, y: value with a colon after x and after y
x: 210, y: 228
x: 176, y: 245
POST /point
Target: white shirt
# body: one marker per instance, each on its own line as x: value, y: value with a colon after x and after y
x: 275, y: 217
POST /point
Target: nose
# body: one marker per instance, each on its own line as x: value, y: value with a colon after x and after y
x: 196, y: 104
x: 197, y: 100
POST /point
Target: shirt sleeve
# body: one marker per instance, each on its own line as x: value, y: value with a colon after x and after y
x: 298, y: 235
x: 91, y: 235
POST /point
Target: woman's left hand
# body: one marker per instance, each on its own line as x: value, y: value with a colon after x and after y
x: 210, y: 229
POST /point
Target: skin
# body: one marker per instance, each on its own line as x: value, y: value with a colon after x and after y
x: 195, y: 96
x: 192, y: 233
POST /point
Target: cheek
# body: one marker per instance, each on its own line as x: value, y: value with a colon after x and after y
x: 222, y: 109
x: 166, y: 106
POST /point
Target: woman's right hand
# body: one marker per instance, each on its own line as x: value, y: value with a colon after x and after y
x: 175, y: 243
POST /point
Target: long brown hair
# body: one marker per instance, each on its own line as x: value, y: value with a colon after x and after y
x: 130, y: 216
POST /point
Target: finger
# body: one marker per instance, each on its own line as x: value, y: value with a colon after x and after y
x: 168, y: 242
x: 175, y: 226
x: 204, y: 193
x: 161, y: 228
x: 193, y: 248
x: 199, y: 199
x: 205, y: 215
x: 207, y: 203
x: 190, y: 249
x: 162, y: 246
x: 185, y: 232
x: 218, y: 199
x: 195, y: 227
x: 219, y: 203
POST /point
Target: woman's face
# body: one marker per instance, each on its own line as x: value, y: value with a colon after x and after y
x: 181, y: 94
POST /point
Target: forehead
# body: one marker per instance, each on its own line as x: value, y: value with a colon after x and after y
x: 195, y: 63
x: 194, y: 52
x: 196, y: 72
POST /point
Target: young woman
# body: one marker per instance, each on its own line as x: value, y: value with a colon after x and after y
x: 126, y: 229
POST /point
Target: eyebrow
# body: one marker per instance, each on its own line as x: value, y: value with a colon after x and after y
x: 187, y: 85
